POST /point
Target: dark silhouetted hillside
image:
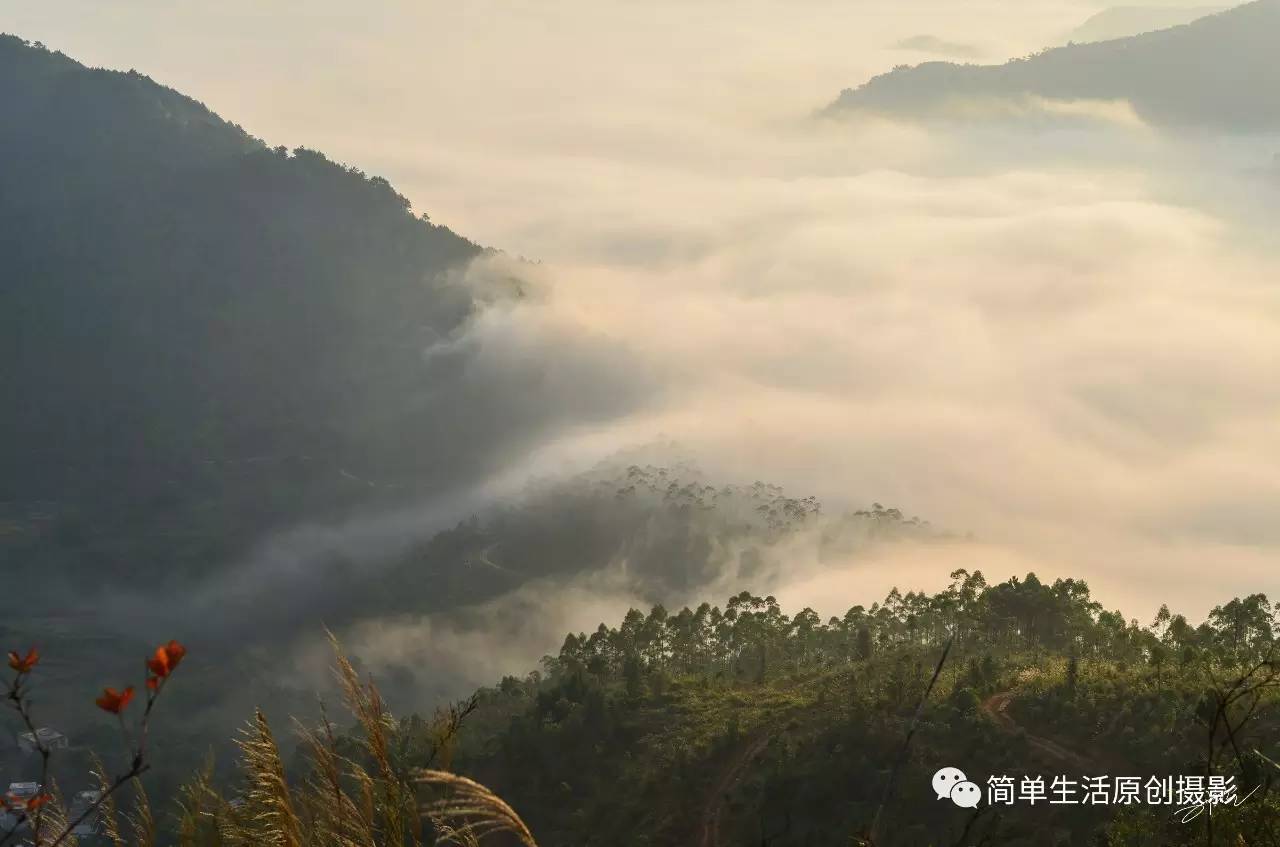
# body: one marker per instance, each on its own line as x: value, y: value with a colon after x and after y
x: 205, y: 337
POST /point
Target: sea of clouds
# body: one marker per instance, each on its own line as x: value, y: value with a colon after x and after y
x: 1046, y: 324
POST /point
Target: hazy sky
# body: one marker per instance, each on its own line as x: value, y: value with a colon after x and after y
x: 1063, y: 340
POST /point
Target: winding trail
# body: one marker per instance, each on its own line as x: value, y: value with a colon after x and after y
x: 730, y: 775
x: 997, y: 708
x: 733, y: 772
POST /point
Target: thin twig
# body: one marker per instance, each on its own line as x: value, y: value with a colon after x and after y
x: 137, y: 767
x: 906, y: 744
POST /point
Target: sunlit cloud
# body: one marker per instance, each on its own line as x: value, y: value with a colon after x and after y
x: 1046, y: 323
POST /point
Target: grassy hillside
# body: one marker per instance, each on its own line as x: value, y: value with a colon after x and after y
x: 1215, y: 72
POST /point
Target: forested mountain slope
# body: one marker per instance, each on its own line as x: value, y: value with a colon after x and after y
x: 743, y: 724
x: 203, y: 337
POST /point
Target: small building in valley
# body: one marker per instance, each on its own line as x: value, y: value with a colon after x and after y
x: 50, y: 738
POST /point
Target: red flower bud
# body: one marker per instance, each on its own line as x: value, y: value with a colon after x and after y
x: 24, y: 664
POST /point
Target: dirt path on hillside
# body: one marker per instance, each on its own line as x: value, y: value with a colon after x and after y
x: 728, y: 779
x: 997, y: 708
x: 710, y: 821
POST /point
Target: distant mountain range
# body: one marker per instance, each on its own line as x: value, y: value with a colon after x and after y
x: 1125, y: 21
x: 1217, y: 72
x: 939, y: 47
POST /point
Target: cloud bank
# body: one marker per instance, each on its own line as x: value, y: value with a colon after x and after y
x: 1062, y: 336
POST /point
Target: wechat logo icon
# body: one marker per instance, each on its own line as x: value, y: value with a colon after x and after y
x: 952, y: 783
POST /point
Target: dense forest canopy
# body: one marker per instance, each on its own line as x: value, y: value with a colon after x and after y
x: 780, y: 728
x: 1210, y: 73
x: 744, y: 724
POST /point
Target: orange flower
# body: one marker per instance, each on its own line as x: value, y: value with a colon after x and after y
x: 176, y: 651
x: 114, y: 701
x: 159, y: 663
x: 36, y: 802
x: 24, y: 664
x: 165, y: 660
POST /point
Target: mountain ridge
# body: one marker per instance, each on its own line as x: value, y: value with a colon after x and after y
x: 1117, y: 22
x: 1213, y: 73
